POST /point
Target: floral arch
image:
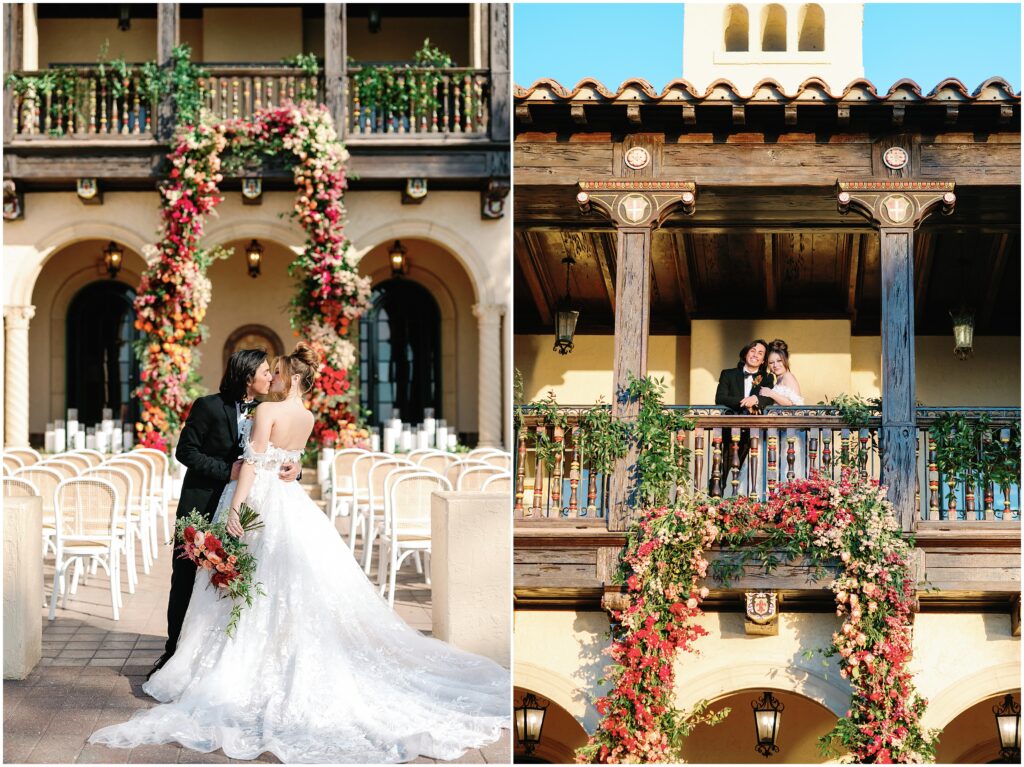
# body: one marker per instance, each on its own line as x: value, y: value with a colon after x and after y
x: 175, y: 292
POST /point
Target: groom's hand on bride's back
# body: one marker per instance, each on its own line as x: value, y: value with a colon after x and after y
x: 236, y: 469
x: 290, y: 471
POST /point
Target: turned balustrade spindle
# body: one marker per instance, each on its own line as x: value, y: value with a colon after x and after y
x: 556, y: 476
x: 1004, y: 439
x: 716, y: 465
x: 467, y: 110
x: 951, y: 513
x: 457, y: 117
x: 812, y: 454
x: 433, y: 106
x: 862, y: 455
x: 574, y: 473
x: 753, y: 465
x: 933, y: 482
x: 734, y: 461
x: 790, y: 458
x: 592, y: 491
x: 136, y: 107
x: 969, y: 499
x: 698, y: 460
x: 444, y: 105
x: 826, y: 451
x: 538, y: 477
x: 520, y: 470
x: 773, y: 461
x: 92, y: 105
x: 357, y: 123
x: 397, y: 125
x: 989, y: 512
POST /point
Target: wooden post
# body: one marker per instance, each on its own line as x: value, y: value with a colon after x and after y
x: 637, y: 208
x: 498, y: 61
x: 13, y: 59
x: 897, y: 207
x: 168, y: 23
x: 336, y: 64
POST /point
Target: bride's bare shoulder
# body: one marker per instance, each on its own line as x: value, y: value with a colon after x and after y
x: 790, y: 380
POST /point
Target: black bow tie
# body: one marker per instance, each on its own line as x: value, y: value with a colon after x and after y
x: 247, y: 407
x: 748, y: 375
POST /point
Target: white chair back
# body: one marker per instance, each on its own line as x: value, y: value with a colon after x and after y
x: 483, y: 452
x: 94, y: 457
x: 410, y: 502
x: 12, y: 463
x: 501, y: 460
x: 67, y: 469
x: 454, y: 471
x: 46, y: 480
x: 27, y: 455
x: 17, y: 487
x: 86, y: 509
x: 79, y: 461
x: 438, y: 461
x: 473, y: 477
x: 498, y: 483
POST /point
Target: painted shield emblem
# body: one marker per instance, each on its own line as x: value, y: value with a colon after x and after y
x: 897, y: 208
x: 761, y: 606
x: 634, y: 208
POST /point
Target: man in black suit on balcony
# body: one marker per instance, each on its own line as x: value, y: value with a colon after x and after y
x: 736, y: 391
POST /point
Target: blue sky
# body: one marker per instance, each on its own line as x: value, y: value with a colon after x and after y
x: 926, y: 42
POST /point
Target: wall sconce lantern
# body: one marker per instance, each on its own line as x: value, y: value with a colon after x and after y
x: 399, y: 261
x: 373, y: 19
x: 767, y: 718
x: 565, y: 316
x: 1008, y: 724
x: 113, y: 256
x: 253, y: 258
x: 963, y: 333
x: 530, y: 721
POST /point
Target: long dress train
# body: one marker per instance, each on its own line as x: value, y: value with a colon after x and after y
x: 320, y: 669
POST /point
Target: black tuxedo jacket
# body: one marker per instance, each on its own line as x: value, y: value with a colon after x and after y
x: 730, y: 389
x: 207, y: 447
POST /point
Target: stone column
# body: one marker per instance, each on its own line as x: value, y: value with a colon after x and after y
x: 490, y: 415
x: 16, y: 319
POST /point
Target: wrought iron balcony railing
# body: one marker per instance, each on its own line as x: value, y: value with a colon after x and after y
x: 750, y: 455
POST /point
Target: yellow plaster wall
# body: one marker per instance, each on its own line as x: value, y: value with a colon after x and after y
x: 400, y: 38
x: 251, y: 33
x: 990, y: 378
x: 580, y: 377
x: 78, y: 41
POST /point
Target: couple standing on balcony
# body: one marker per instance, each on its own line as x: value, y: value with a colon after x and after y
x: 760, y: 379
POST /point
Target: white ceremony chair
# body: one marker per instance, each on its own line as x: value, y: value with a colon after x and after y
x: 12, y: 463
x: 46, y: 480
x: 501, y: 460
x: 360, y: 493
x: 87, y: 531
x: 94, y: 457
x: 27, y: 455
x: 80, y: 462
x: 149, y: 469
x: 160, y: 487
x: 407, y: 525
x: 473, y: 477
x: 340, y: 497
x: 66, y: 468
x: 454, y: 470
x: 137, y: 506
x: 19, y: 487
x: 373, y: 514
x: 480, y: 453
x: 132, y: 531
x: 420, y: 453
x: 438, y: 461
x: 498, y: 483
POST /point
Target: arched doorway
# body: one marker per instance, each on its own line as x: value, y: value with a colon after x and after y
x: 400, y: 350
x: 971, y: 736
x: 102, y: 370
x: 732, y: 740
x: 560, y: 735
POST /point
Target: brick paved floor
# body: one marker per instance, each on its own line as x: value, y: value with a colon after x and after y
x: 93, y: 667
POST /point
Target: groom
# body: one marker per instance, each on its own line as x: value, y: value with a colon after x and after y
x: 209, y: 448
x: 737, y: 390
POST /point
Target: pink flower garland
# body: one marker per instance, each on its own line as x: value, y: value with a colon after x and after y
x: 175, y: 292
x: 843, y: 521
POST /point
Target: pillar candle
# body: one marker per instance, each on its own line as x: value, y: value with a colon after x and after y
x: 389, y: 439
x: 48, y: 439
x: 375, y: 442
x: 60, y: 437
x: 442, y: 438
x: 453, y: 440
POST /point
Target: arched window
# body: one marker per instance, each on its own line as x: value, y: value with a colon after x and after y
x: 812, y: 28
x: 102, y: 370
x: 737, y: 26
x: 773, y: 28
x: 400, y: 353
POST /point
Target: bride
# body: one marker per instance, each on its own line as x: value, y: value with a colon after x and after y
x: 787, y: 389
x: 319, y: 669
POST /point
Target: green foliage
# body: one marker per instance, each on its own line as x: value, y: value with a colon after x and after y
x: 602, y: 438
x: 310, y: 66
x: 969, y: 450
x: 553, y: 417
x: 854, y: 409
x: 661, y: 463
x: 397, y: 91
x: 184, y: 82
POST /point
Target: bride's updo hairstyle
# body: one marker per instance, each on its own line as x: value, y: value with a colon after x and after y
x: 304, y: 362
x: 780, y: 347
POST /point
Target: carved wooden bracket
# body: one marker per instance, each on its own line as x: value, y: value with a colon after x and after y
x: 1015, y: 616
x: 896, y: 203
x: 492, y: 199
x: 637, y: 203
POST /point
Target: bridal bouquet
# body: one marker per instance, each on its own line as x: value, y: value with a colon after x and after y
x: 211, y: 547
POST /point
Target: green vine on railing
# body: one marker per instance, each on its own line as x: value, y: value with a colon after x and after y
x: 380, y: 87
x: 970, y: 450
x: 662, y: 463
x: 309, y: 64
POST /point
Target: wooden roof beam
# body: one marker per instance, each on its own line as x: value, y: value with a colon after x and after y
x: 924, y: 261
x: 604, y: 252
x: 770, y: 289
x: 578, y: 114
x: 853, y: 275
x: 681, y: 248
x: 527, y: 252
x: 1001, y: 250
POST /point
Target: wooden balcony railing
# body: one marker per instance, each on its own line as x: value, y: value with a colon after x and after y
x: 82, y: 103
x: 732, y: 455
x: 238, y: 92
x: 422, y: 103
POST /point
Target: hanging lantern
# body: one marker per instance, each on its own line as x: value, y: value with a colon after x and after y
x: 1008, y: 725
x: 963, y: 333
x: 253, y: 258
x: 767, y: 719
x: 113, y: 256
x: 565, y: 315
x: 530, y: 721
x: 398, y: 258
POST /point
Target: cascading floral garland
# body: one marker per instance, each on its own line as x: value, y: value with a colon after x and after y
x: 175, y: 292
x: 846, y: 522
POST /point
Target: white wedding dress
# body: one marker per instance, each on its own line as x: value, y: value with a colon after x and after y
x: 320, y: 669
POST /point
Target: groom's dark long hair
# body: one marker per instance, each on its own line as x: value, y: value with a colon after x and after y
x: 748, y: 347
x: 241, y: 369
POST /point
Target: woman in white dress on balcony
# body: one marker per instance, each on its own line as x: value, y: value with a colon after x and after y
x: 785, y: 392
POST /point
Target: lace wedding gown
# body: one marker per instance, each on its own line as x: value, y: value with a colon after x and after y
x: 320, y: 669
